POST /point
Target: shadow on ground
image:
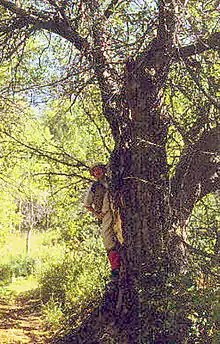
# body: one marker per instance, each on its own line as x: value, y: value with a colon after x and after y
x: 21, y: 320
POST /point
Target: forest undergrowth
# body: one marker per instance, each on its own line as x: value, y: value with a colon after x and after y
x: 54, y: 290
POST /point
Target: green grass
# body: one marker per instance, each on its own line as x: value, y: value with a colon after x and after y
x: 24, y: 270
x: 21, y: 284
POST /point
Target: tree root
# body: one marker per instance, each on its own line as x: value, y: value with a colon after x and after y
x: 97, y: 326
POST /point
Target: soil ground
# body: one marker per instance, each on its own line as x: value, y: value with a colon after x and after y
x: 21, y: 321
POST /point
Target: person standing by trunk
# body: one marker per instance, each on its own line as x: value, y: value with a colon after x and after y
x: 98, y: 202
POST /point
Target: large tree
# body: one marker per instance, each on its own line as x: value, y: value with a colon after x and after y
x: 142, y: 57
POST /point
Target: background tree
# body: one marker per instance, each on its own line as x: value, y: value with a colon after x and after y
x: 139, y: 59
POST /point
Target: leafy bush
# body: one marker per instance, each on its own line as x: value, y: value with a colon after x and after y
x: 204, y: 313
x: 53, y: 314
x: 22, y: 266
x: 76, y: 282
x: 5, y: 274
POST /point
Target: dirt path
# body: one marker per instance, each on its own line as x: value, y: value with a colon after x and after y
x: 21, y: 321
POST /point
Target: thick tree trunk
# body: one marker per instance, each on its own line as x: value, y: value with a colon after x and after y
x: 143, y: 195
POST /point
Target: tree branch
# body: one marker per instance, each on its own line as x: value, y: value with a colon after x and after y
x: 204, y: 44
x: 98, y: 129
x: 81, y: 177
x: 166, y: 26
x: 21, y: 12
x: 95, y: 55
x: 160, y: 51
x: 198, y: 83
x: 110, y: 8
x: 41, y: 21
x: 105, y: 73
x: 212, y: 42
x: 197, y: 174
x: 56, y: 157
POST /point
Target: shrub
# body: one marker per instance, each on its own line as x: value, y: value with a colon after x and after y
x: 76, y: 282
x: 53, y: 314
x: 5, y: 274
x: 22, y: 266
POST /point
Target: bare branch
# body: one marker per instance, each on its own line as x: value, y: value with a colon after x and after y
x: 69, y: 175
x: 99, y: 130
x: 196, y: 250
x: 204, y: 44
x: 39, y: 20
x: 56, y: 157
